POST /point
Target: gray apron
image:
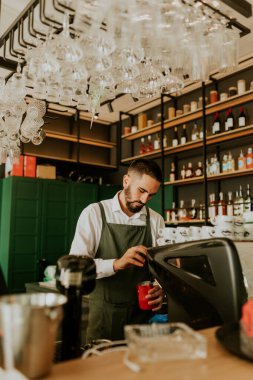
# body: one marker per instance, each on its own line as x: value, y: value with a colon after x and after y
x: 114, y: 302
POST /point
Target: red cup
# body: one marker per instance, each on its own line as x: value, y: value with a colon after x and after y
x: 142, y: 290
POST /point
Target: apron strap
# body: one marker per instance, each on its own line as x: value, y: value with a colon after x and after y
x: 102, y: 210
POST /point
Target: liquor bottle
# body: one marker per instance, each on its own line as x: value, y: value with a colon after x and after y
x: 199, y: 170
x: 202, y: 211
x: 249, y: 159
x: 157, y: 143
x: 181, y: 212
x: 221, y: 205
x: 242, y: 118
x: 216, y: 128
x: 212, y: 207
x: 241, y: 162
x: 183, y: 138
x: 236, y: 204
x: 150, y: 146
x: 165, y: 141
x: 173, y: 214
x: 229, y: 124
x: 142, y: 148
x: 230, y: 163
x: 195, y: 132
x: 241, y: 202
x: 183, y: 172
x: 216, y: 165
x: 175, y: 137
x: 230, y: 205
x: 172, y: 172
x: 193, y: 210
x: 225, y: 164
x: 189, y: 171
x: 248, y: 201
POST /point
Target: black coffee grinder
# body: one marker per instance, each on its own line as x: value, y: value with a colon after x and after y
x: 75, y: 277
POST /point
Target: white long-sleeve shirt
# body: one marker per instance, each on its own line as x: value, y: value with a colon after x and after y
x: 89, y: 228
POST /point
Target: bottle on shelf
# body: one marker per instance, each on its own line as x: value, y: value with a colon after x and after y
x: 248, y: 201
x: 202, y: 211
x: 183, y: 138
x: 216, y: 128
x: 143, y: 147
x: 157, y: 142
x: 168, y: 215
x: 230, y: 163
x: 172, y: 172
x: 189, y: 171
x: 199, y: 170
x: 183, y: 172
x: 165, y: 141
x: 241, y: 161
x: 173, y: 214
x: 241, y: 202
x: 242, y: 118
x: 150, y: 146
x: 175, y: 137
x: 216, y: 165
x: 181, y: 212
x: 212, y: 206
x: 193, y: 210
x: 221, y: 205
x: 236, y: 204
x: 249, y: 159
x: 230, y: 204
x: 195, y: 132
x: 225, y: 164
x: 201, y: 132
x: 229, y: 123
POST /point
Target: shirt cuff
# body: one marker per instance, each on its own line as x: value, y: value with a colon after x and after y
x: 104, y: 268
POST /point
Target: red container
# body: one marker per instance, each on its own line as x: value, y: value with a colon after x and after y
x: 142, y: 290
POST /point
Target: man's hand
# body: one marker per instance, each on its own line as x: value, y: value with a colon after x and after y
x: 133, y: 256
x: 155, y: 297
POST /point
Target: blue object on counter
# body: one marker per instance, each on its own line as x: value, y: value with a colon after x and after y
x: 159, y: 318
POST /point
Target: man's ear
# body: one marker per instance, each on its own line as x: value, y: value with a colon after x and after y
x: 125, y: 180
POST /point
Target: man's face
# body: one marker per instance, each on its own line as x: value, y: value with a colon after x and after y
x: 138, y: 190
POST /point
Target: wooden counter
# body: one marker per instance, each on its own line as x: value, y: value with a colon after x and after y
x: 219, y: 365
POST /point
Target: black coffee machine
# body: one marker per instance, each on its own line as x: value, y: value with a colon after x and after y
x: 75, y: 277
x: 203, y: 281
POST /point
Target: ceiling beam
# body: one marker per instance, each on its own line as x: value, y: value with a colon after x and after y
x: 241, y: 6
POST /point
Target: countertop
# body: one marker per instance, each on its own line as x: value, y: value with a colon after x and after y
x: 219, y: 365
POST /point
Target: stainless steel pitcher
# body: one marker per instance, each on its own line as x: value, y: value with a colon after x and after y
x: 31, y: 327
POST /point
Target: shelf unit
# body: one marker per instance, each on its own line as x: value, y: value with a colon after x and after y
x: 70, y: 139
x: 200, y: 145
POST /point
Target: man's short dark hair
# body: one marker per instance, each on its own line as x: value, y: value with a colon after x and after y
x: 148, y: 167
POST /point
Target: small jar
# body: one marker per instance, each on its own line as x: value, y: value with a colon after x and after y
x: 251, y: 86
x: 127, y: 130
x: 186, y: 108
x: 134, y: 129
x: 223, y: 96
x: 179, y: 112
x: 194, y: 106
x: 200, y: 101
x: 213, y: 96
x: 241, y: 86
x: 171, y: 112
x: 232, y: 91
x: 150, y: 123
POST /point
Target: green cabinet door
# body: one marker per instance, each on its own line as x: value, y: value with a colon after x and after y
x: 156, y: 201
x: 107, y: 191
x: 20, y: 231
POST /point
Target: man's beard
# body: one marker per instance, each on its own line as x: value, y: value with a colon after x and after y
x: 130, y: 204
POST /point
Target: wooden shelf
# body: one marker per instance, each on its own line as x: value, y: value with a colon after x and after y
x: 50, y: 157
x: 189, y: 181
x: 190, y: 116
x: 98, y: 164
x: 154, y: 154
x: 73, y: 138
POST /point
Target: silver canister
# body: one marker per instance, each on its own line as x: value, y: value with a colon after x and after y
x: 29, y: 325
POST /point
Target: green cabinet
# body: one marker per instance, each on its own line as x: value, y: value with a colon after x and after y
x: 38, y: 219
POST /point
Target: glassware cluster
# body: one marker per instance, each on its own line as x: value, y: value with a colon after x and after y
x: 135, y: 47
x: 19, y: 122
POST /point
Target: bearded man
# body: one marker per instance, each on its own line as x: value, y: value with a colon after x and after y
x: 116, y: 233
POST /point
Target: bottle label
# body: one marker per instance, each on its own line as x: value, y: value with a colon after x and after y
x: 194, y: 137
x: 230, y: 210
x: 201, y: 134
x: 183, y: 140
x: 249, y: 161
x: 174, y: 142
x: 198, y: 172
x: 241, y: 164
x: 242, y: 121
x: 216, y: 127
x: 247, y: 206
x: 230, y: 123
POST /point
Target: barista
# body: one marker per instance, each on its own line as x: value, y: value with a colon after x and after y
x: 115, y: 233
